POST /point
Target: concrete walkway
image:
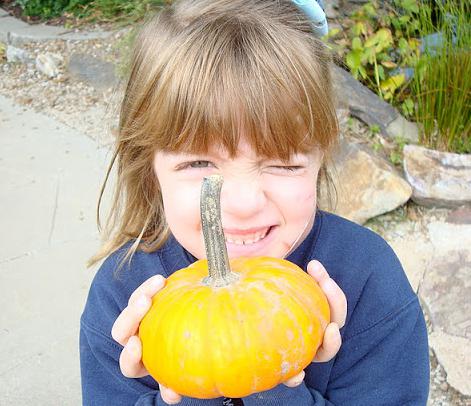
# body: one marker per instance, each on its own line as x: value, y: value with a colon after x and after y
x: 15, y: 32
x: 50, y: 178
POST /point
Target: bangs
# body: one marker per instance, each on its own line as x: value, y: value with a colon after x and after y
x: 231, y: 81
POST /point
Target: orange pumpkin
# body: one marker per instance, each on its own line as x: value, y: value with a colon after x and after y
x: 248, y: 326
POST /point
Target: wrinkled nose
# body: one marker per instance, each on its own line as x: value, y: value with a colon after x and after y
x: 242, y: 198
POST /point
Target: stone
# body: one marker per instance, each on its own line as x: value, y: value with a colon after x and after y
x: 48, y: 64
x: 331, y: 9
x: 363, y: 103
x: 414, y: 261
x: 440, y: 179
x: 445, y: 292
x: 366, y: 184
x: 461, y: 215
x: 93, y: 71
x: 15, y: 54
x: 453, y: 353
x: 403, y: 129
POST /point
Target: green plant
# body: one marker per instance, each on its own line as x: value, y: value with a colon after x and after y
x: 124, y: 47
x: 375, y: 47
x: 375, y: 129
x: 442, y: 83
x: 47, y: 9
x: 121, y: 11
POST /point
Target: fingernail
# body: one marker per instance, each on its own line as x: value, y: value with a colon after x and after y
x: 158, y: 281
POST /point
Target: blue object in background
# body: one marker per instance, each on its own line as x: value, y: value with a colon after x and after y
x: 313, y: 9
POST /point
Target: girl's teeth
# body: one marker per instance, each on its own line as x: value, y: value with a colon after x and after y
x: 254, y: 238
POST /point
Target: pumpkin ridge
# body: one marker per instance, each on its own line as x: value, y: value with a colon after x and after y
x: 310, y: 304
x: 157, y: 322
x: 176, y: 333
x: 291, y: 302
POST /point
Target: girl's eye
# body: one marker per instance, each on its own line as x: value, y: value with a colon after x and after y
x: 196, y: 165
x: 199, y: 164
x: 287, y: 168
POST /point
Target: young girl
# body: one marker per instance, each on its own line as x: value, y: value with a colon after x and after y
x: 242, y: 88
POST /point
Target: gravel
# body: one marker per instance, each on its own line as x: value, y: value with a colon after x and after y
x: 74, y: 103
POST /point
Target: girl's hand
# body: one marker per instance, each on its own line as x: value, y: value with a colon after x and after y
x: 125, y: 329
x: 338, y: 313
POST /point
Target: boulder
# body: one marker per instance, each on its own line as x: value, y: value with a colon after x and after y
x: 366, y: 184
x: 439, y: 179
x: 445, y: 292
x: 91, y: 70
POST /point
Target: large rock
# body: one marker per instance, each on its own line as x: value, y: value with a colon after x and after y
x: 366, y: 184
x: 93, y: 71
x: 445, y: 292
x: 454, y: 354
x: 369, y: 108
x: 15, y: 54
x: 438, y: 178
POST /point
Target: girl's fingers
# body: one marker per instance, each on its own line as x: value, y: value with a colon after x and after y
x: 130, y: 359
x: 127, y: 323
x: 149, y: 288
x: 335, y: 296
x: 169, y: 396
x: 331, y: 344
x: 295, y: 380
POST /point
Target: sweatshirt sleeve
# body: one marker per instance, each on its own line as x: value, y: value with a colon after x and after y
x: 387, y: 364
x: 102, y: 381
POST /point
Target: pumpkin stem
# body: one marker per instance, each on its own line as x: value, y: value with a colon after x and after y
x: 216, y: 252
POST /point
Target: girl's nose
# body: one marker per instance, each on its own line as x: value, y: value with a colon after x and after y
x: 242, y: 198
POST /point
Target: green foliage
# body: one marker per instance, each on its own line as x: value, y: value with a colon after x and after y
x: 442, y: 83
x: 380, y: 42
x: 126, y: 11
x: 47, y: 9
x: 376, y: 45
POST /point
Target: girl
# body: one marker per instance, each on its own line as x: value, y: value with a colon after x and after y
x: 242, y: 88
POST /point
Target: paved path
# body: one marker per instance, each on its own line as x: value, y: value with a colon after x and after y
x: 50, y: 177
x: 14, y: 31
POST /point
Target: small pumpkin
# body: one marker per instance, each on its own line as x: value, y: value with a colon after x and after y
x: 231, y: 328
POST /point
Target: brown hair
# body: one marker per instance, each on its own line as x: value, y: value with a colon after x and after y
x: 203, y: 71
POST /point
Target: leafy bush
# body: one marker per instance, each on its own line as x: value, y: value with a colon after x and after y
x: 378, y: 43
x: 46, y: 9
x: 384, y: 47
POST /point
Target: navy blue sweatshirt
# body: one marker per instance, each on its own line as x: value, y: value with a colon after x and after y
x: 384, y: 355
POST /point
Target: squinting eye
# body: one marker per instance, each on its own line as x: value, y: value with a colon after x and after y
x: 196, y: 165
x: 288, y: 168
x: 200, y: 164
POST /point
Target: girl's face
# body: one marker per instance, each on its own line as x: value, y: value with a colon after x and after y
x: 267, y: 206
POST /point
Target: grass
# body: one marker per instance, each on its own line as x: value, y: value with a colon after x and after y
x: 118, y: 11
x: 442, y: 82
x: 121, y: 12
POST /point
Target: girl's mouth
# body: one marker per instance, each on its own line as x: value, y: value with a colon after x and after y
x: 247, y: 238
